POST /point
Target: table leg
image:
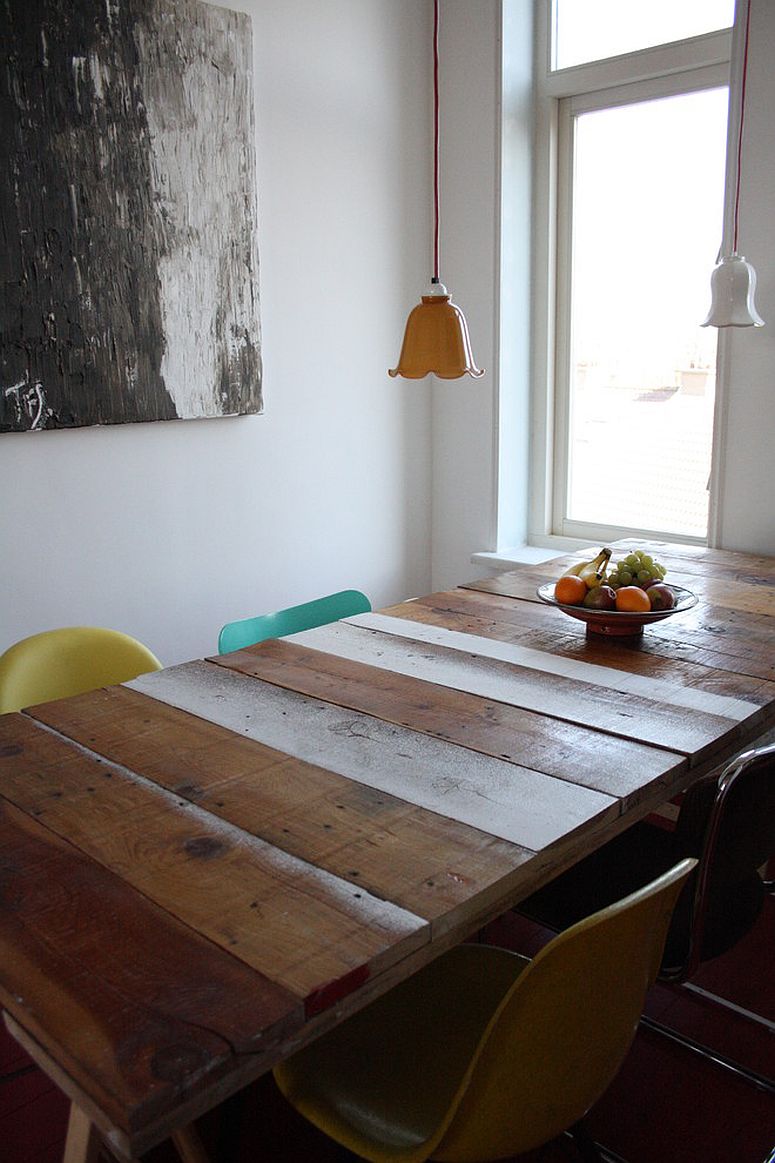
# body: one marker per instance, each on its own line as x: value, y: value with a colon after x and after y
x: 82, y: 1144
x: 83, y: 1141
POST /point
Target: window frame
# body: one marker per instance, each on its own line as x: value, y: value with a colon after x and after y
x: 683, y: 66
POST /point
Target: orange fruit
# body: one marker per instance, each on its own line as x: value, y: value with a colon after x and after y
x: 632, y: 599
x: 570, y: 590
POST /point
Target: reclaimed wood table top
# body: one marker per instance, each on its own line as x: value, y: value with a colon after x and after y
x: 205, y: 868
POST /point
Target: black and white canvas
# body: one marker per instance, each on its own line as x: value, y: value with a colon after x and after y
x: 127, y: 213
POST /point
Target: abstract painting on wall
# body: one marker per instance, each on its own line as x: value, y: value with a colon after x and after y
x: 128, y: 215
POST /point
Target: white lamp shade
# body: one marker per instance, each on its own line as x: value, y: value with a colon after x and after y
x: 732, y: 287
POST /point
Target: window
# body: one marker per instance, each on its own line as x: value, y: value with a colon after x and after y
x: 589, y: 30
x: 632, y: 181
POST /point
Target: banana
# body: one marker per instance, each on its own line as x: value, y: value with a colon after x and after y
x: 592, y: 572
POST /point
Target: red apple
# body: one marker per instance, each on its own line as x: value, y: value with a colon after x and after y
x: 601, y: 598
x: 661, y: 597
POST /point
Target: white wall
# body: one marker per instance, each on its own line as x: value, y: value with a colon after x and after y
x: 167, y: 530
x: 480, y: 443
x: 746, y: 516
x: 464, y: 410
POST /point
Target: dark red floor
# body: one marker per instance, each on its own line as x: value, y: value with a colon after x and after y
x: 666, y: 1105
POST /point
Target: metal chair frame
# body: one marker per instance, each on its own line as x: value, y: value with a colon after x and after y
x: 679, y: 975
x: 725, y: 785
x: 701, y: 896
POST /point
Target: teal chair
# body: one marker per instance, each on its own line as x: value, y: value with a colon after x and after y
x: 248, y: 631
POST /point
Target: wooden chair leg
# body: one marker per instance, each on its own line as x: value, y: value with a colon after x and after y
x: 189, y: 1146
x: 83, y: 1141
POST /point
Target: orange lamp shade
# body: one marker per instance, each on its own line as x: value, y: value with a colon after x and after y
x: 436, y: 342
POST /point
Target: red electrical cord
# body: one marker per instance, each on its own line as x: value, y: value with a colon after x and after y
x: 743, y: 82
x: 436, y: 140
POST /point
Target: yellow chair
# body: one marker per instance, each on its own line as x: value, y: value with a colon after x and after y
x: 58, y: 663
x: 484, y: 1054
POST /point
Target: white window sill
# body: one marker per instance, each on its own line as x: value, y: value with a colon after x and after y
x: 528, y: 554
x: 519, y: 555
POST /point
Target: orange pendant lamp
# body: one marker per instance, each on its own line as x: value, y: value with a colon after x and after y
x: 436, y: 340
x: 733, y: 280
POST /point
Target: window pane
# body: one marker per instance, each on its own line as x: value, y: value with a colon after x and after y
x: 648, y: 192
x: 590, y: 30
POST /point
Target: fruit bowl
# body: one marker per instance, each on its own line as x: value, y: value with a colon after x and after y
x: 618, y: 622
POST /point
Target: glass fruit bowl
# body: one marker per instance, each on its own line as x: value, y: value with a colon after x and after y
x: 618, y: 622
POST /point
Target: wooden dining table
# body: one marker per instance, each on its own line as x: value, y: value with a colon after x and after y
x: 205, y: 868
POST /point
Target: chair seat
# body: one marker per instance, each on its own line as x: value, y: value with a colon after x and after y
x: 359, y: 1083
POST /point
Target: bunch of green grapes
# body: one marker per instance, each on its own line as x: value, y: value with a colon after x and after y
x: 636, y: 569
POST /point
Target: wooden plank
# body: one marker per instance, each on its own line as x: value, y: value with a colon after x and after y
x: 619, y: 767
x: 475, y: 612
x: 542, y: 628
x: 517, y: 583
x: 695, y: 561
x: 733, y: 580
x: 424, y: 862
x: 701, y: 559
x: 724, y: 639
x: 507, y: 800
x: 502, y: 619
x: 732, y: 589
x: 136, y: 1007
x: 578, y: 697
x: 708, y: 635
x: 663, y: 689
x: 731, y: 593
x: 301, y: 927
x: 469, y: 610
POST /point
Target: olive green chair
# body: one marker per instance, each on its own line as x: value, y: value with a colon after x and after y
x: 332, y: 607
x: 57, y: 663
x: 484, y: 1054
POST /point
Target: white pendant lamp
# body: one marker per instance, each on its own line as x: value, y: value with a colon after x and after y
x: 732, y: 287
x: 733, y: 281
x: 436, y: 339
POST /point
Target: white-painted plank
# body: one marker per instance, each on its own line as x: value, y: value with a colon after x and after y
x: 501, y: 798
x: 661, y: 691
x: 557, y: 696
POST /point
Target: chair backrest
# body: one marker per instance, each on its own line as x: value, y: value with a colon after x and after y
x: 332, y: 607
x: 563, y: 1029
x: 57, y: 663
x: 729, y: 824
